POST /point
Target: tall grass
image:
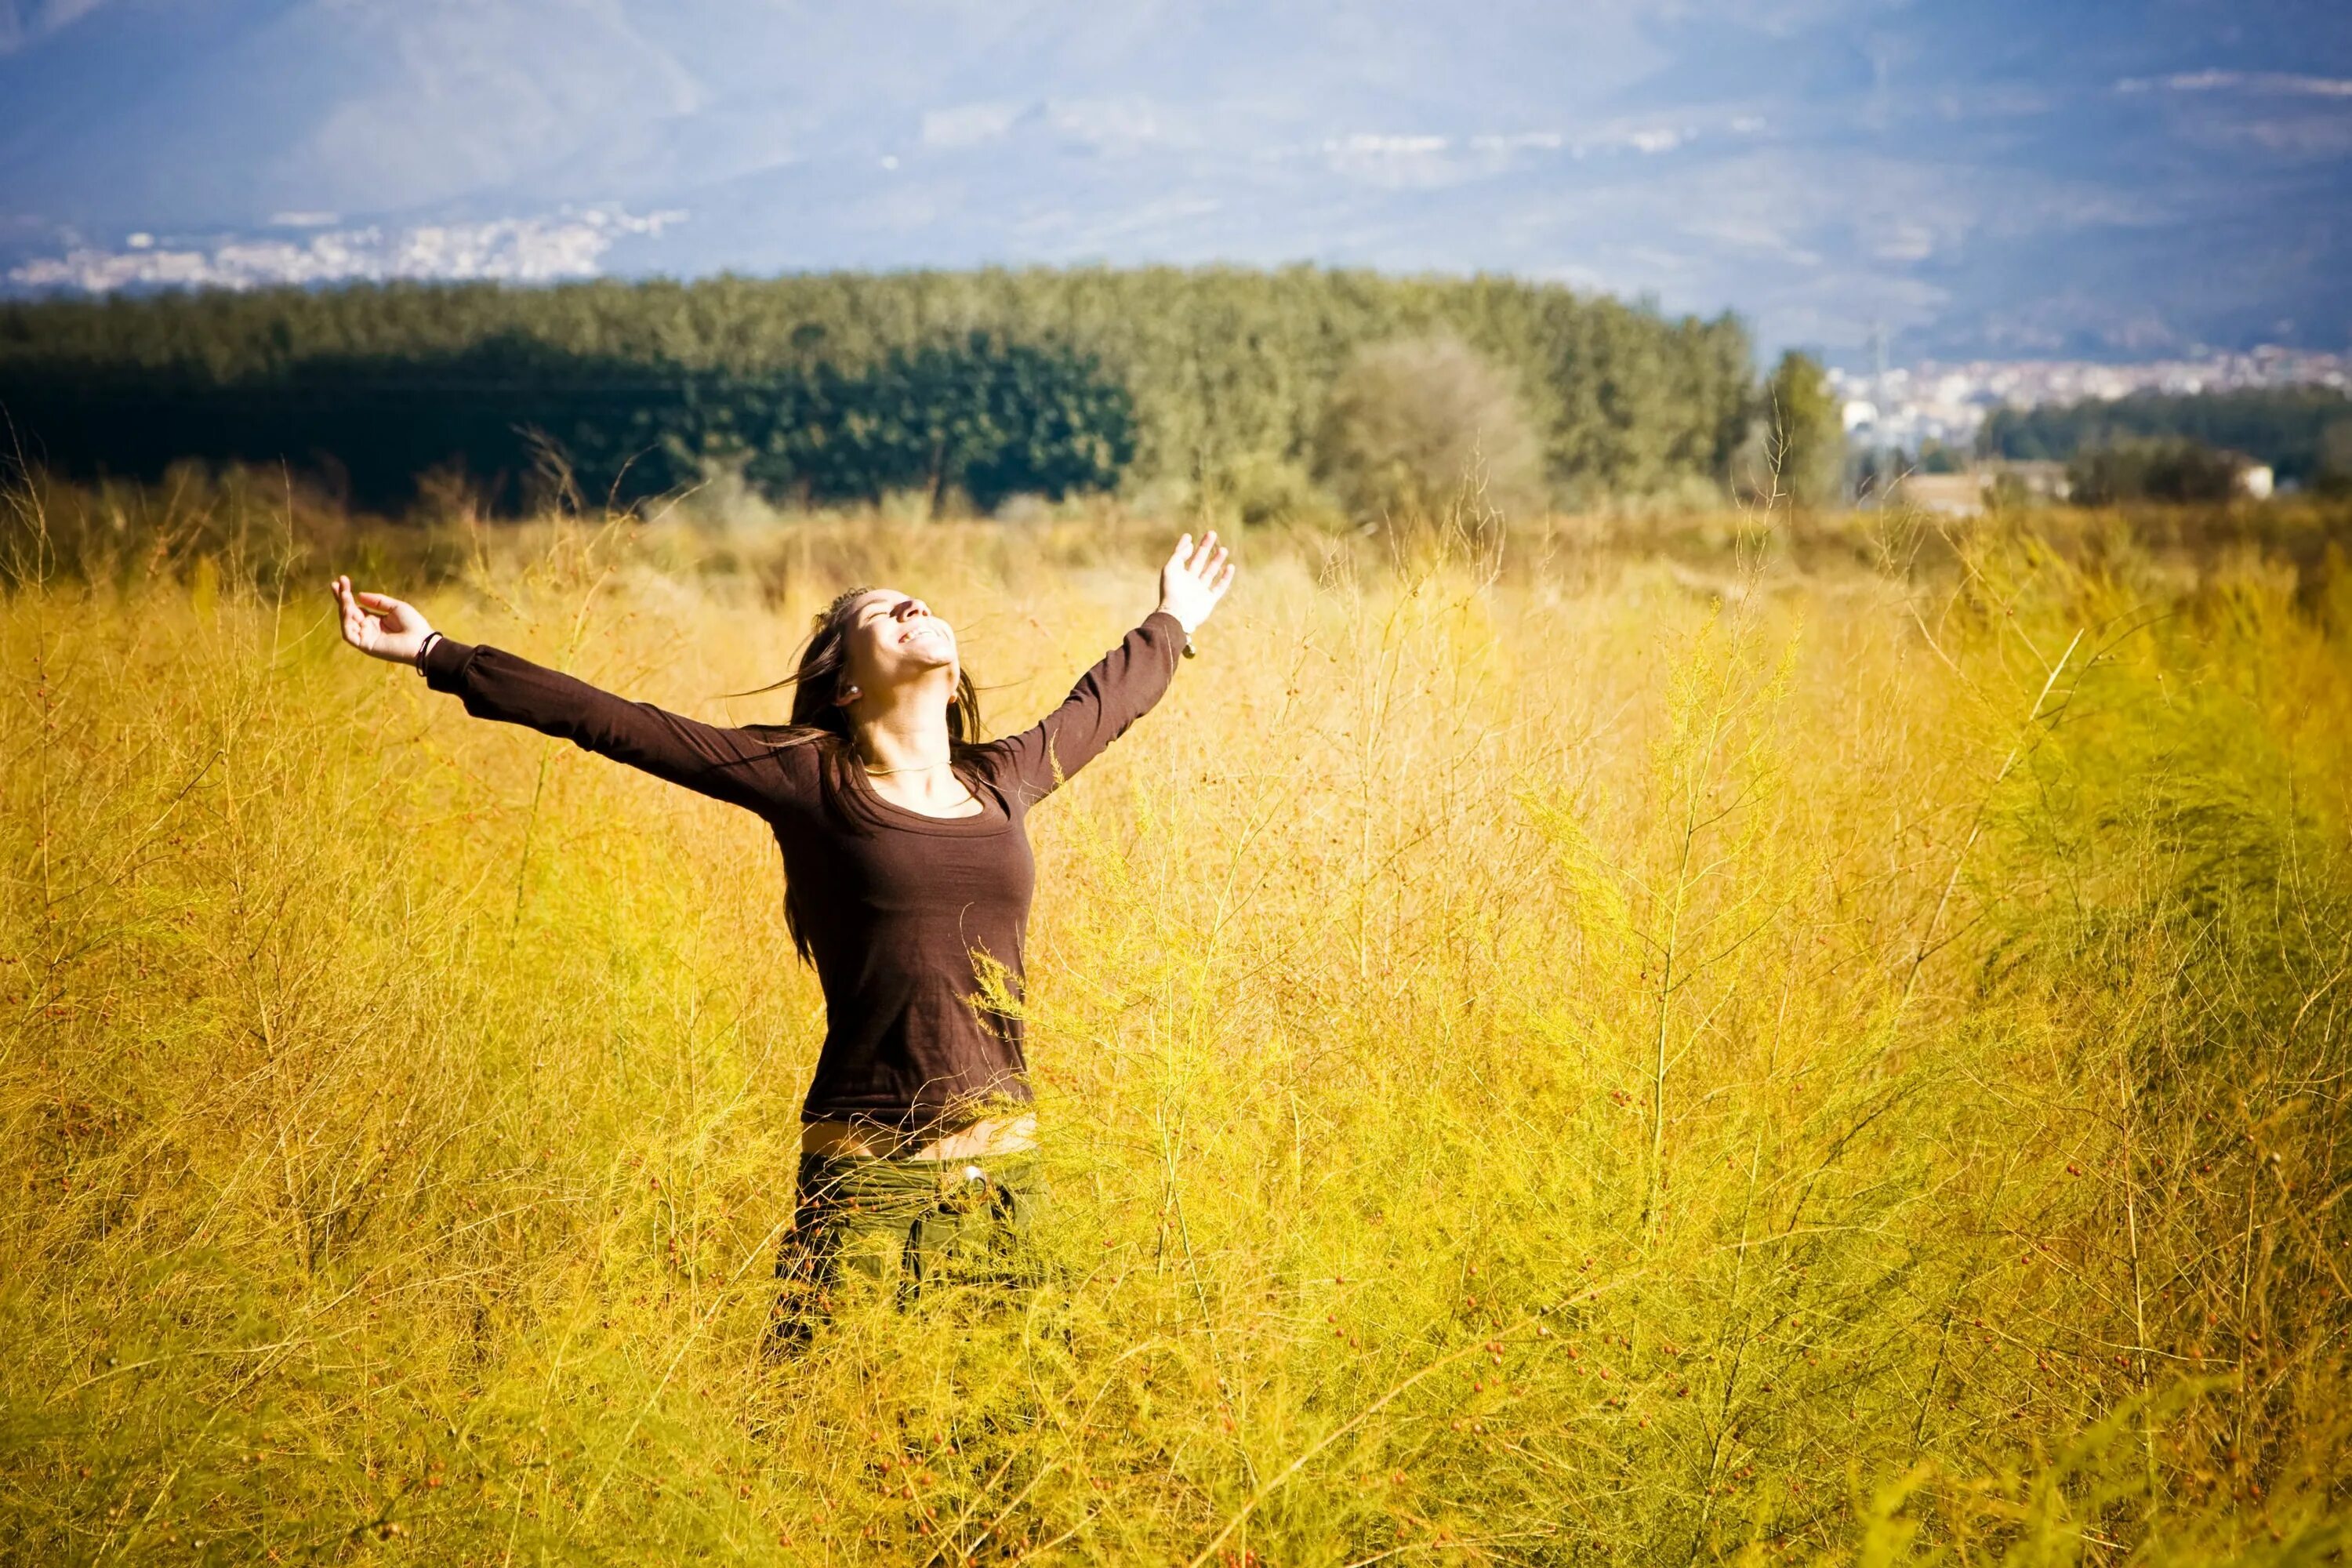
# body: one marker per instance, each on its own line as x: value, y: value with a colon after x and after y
x: 1548, y: 1056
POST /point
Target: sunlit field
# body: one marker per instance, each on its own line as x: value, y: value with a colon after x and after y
x: 1791, y: 1048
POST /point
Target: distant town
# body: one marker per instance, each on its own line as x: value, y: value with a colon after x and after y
x: 1905, y: 408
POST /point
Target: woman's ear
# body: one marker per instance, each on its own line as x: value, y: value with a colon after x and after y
x: 845, y: 696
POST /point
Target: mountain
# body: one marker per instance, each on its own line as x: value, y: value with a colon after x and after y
x: 1998, y: 179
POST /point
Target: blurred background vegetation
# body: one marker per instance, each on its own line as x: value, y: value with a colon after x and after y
x: 2303, y: 434
x: 847, y: 387
x: 1304, y: 394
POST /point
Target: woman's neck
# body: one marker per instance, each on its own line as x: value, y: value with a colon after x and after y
x: 905, y: 734
x: 904, y: 749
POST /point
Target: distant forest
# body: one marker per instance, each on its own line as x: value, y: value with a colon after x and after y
x: 2303, y: 433
x: 846, y: 385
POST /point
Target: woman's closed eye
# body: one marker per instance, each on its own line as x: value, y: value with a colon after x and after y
x: 884, y: 609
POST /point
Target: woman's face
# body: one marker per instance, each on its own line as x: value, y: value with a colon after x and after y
x: 893, y: 638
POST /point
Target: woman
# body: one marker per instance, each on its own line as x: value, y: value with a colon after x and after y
x: 907, y: 879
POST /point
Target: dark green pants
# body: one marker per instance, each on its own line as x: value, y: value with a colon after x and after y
x: 870, y: 1229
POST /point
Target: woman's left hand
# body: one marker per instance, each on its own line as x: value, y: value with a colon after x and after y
x: 379, y: 625
x: 1194, y: 579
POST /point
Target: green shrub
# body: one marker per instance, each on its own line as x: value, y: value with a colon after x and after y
x: 2172, y: 470
x: 1414, y: 423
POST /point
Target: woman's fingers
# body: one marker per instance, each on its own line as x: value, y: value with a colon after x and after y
x: 1195, y: 577
x: 398, y: 614
x: 353, y: 618
x: 1196, y: 558
x: 366, y: 616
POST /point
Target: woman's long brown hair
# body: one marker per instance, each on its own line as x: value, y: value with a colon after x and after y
x: 819, y: 719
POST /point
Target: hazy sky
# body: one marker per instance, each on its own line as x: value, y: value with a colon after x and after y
x: 1981, y: 176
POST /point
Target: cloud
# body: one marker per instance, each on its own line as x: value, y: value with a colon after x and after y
x: 1902, y: 241
x: 1651, y: 139
x: 2280, y: 83
x: 2325, y: 139
x: 1393, y: 160
x: 1115, y: 125
x: 969, y: 124
x: 1118, y: 125
x: 1366, y: 144
x: 2276, y: 115
x: 1419, y: 160
x: 519, y: 250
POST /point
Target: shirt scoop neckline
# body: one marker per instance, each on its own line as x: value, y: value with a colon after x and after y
x: 990, y: 819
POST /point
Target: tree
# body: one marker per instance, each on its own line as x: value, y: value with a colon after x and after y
x: 2170, y: 469
x: 2283, y: 426
x: 1411, y: 422
x: 1226, y: 373
x: 1804, y: 446
x: 2334, y: 473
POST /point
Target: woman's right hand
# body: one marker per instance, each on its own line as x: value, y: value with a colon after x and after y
x: 377, y: 625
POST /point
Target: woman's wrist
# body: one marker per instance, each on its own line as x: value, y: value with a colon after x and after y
x: 424, y: 646
x: 1171, y: 615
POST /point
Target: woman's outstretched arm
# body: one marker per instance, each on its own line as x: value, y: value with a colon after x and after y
x: 1126, y: 681
x: 728, y: 764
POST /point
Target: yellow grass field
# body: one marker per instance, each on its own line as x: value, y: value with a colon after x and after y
x: 1550, y: 1055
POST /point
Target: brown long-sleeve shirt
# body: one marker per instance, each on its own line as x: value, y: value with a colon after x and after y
x: 898, y: 907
